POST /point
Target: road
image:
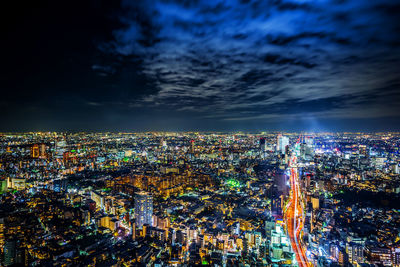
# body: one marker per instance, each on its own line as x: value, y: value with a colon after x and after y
x: 294, y: 215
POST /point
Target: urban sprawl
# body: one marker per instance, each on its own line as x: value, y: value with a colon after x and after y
x: 199, y: 199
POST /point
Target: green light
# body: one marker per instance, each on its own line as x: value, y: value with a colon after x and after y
x: 233, y: 183
x: 204, y: 262
x: 73, y: 150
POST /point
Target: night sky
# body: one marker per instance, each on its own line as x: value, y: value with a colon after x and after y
x: 170, y: 65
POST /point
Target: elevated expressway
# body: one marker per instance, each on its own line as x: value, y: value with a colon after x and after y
x: 294, y: 214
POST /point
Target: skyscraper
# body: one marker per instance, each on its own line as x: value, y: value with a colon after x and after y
x: 143, y: 209
x: 192, y: 146
x: 263, y: 144
x: 2, y: 240
x: 282, y: 143
x: 133, y: 229
x: 9, y: 252
x: 309, y: 140
x: 35, y: 151
x: 42, y: 150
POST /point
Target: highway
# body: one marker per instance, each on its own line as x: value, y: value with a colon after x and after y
x: 294, y: 215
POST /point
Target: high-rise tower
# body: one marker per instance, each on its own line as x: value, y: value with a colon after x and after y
x: 282, y: 143
x: 143, y: 209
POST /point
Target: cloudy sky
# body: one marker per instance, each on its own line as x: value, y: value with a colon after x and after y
x: 201, y: 65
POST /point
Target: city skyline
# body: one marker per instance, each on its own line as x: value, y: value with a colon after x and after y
x: 200, y: 133
x: 201, y: 66
x: 199, y: 199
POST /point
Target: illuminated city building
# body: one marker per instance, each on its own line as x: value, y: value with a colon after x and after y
x: 35, y: 151
x: 315, y: 203
x: 42, y: 151
x: 282, y: 143
x: 379, y: 255
x: 98, y: 199
x: 263, y: 144
x: 192, y: 149
x: 2, y: 238
x: 9, y: 252
x: 143, y: 209
x: 17, y: 183
x: 355, y: 251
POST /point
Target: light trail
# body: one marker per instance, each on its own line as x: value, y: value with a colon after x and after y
x: 294, y: 215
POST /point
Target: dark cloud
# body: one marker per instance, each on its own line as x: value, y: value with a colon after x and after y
x: 277, y: 59
x: 291, y: 6
x: 292, y: 39
x: 213, y: 64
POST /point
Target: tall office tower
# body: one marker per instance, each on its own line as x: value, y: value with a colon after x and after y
x: 355, y: 251
x: 2, y: 240
x: 263, y: 144
x: 282, y: 143
x: 309, y: 140
x: 9, y: 252
x: 35, y: 151
x: 307, y: 148
x: 303, y: 150
x: 280, y: 180
x: 163, y: 143
x: 133, y: 229
x: 192, y: 146
x: 42, y: 150
x: 143, y: 209
x: 276, y: 206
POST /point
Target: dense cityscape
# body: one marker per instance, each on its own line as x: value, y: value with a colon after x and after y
x: 220, y: 133
x: 197, y: 198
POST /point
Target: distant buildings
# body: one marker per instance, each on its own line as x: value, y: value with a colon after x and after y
x: 205, y: 198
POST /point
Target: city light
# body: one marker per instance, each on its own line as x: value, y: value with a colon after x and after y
x: 200, y: 133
